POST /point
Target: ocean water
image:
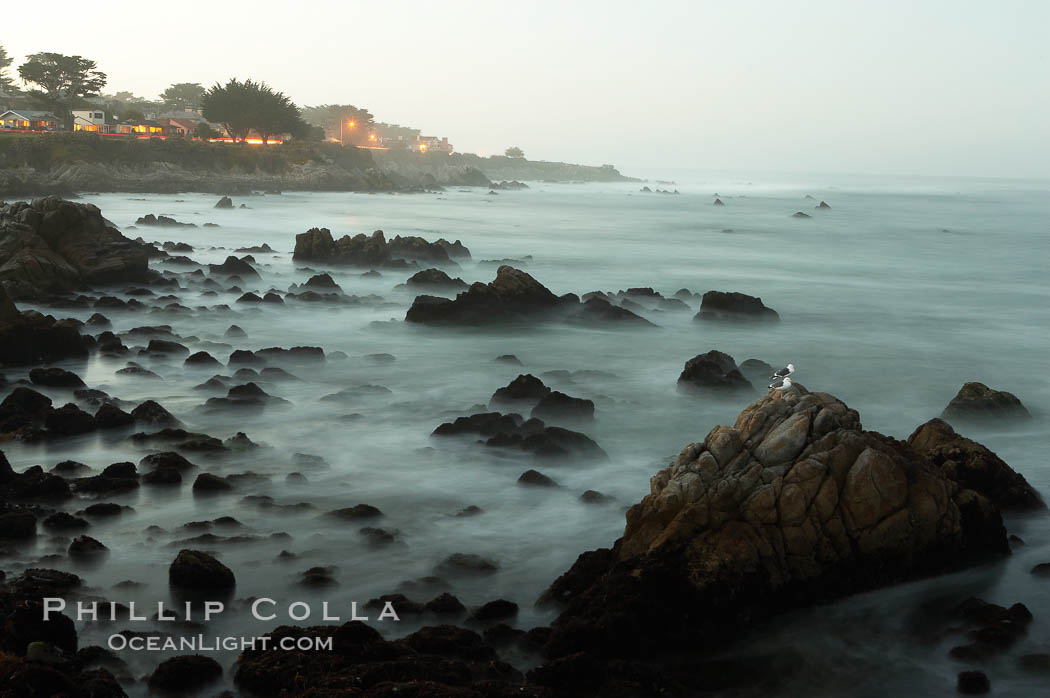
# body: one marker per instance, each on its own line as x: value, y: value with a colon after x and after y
x: 891, y: 300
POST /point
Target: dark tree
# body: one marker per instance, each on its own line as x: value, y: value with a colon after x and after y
x: 183, y: 96
x: 352, y: 124
x: 245, y: 106
x: 514, y: 152
x: 230, y: 106
x: 6, y: 81
x: 61, y: 80
x: 204, y: 131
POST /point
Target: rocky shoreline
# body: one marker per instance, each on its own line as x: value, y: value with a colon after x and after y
x: 794, y: 504
x: 71, y: 164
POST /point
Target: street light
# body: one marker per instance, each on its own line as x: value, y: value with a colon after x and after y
x: 351, y: 124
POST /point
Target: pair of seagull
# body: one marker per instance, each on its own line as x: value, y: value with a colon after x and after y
x: 780, y: 378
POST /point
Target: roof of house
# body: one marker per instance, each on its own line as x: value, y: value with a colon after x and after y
x: 30, y: 114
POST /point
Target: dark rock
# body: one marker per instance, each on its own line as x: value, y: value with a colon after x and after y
x: 445, y: 605
x: 64, y: 521
x: 466, y: 564
x: 234, y: 267
x: 508, y: 359
x: 86, y: 546
x: 163, y: 346
x: 150, y: 412
x: 713, y: 370
x: 536, y: 479
x: 974, y: 466
x: 512, y: 296
x: 53, y: 246
x: 800, y: 214
x: 187, y: 673
x: 69, y: 420
x: 134, y: 369
x: 163, y: 221
x: 109, y: 416
x: 104, y: 510
x: 722, y: 305
x: 224, y: 202
x: 17, y: 526
x: 30, y: 337
x: 1042, y: 569
x: 973, y: 683
x: 794, y: 505
x: 206, y: 482
x: 526, y: 387
x: 243, y: 357
x: 356, y: 513
x: 492, y: 611
x: 557, y: 406
x: 235, y: 332
x: 598, y: 311
x: 193, y: 569
x: 435, y: 278
x: 55, y: 378
x: 317, y: 245
x: 976, y: 401
x: 202, y: 359
x: 594, y: 497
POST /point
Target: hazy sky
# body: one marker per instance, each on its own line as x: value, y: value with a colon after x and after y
x: 953, y: 87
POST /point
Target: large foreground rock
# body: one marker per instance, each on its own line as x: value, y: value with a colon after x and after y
x: 54, y: 246
x: 318, y: 245
x: 794, y: 504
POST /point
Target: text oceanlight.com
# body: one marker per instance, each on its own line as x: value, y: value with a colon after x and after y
x: 200, y: 643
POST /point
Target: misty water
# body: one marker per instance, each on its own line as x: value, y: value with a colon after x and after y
x: 891, y: 300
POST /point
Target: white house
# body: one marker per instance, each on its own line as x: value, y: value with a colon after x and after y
x: 89, y: 120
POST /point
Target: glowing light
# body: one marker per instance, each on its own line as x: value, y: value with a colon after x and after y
x: 422, y: 147
x: 351, y: 124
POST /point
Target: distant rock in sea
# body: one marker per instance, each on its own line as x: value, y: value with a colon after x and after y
x: 731, y: 305
x: 318, y: 245
x: 976, y: 401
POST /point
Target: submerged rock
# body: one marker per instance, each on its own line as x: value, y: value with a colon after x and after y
x: 793, y: 505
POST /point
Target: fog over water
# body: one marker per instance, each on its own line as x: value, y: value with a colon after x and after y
x: 891, y: 300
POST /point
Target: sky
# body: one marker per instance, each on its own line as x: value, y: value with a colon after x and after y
x: 925, y: 87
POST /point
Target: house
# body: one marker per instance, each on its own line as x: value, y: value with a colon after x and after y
x: 92, y: 120
x: 179, y: 127
x: 431, y: 144
x: 29, y: 120
x: 136, y: 127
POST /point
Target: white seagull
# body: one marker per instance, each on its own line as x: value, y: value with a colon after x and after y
x: 781, y: 384
x: 784, y: 372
